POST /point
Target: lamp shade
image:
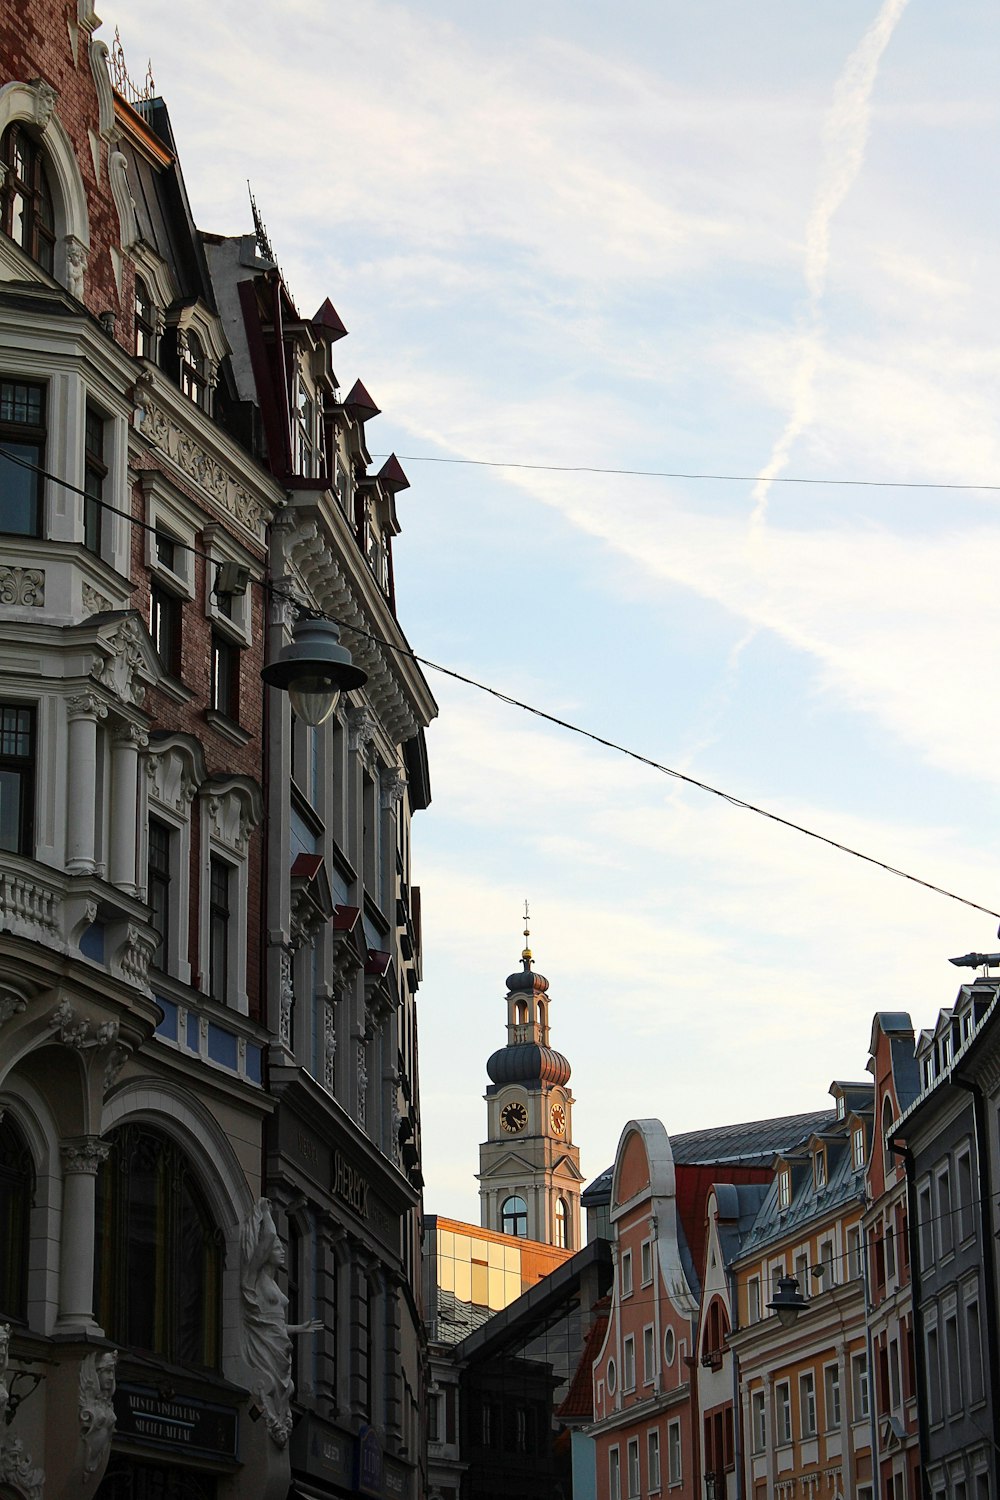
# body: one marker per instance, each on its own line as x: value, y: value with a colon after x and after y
x: 314, y: 669
x: 787, y: 1301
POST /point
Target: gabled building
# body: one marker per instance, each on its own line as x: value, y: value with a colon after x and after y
x: 885, y: 1225
x: 944, y: 1137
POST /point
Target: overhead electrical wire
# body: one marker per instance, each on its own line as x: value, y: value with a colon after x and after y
x: 509, y: 463
x: 529, y: 708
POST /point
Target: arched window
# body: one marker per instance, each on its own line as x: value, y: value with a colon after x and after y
x: 26, y: 201
x: 541, y: 1013
x: 17, y: 1184
x: 145, y: 320
x: 514, y: 1217
x: 194, y: 370
x: 562, y: 1224
x: 158, y: 1260
x: 521, y: 1012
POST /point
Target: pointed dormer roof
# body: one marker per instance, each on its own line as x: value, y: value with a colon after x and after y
x: 359, y: 405
x: 326, y: 322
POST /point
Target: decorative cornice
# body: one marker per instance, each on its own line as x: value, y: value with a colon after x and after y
x: 162, y: 431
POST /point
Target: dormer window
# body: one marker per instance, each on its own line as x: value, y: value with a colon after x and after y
x: 841, y: 1107
x: 820, y: 1169
x: 784, y: 1188
x: 193, y: 369
x: 305, y: 431
x: 376, y: 554
x: 858, y: 1148
x: 27, y: 212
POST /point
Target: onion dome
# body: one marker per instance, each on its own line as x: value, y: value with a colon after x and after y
x: 528, y: 1063
x: 527, y: 982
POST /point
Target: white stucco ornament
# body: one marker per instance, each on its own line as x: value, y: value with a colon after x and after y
x: 267, y: 1336
x: 97, y: 1412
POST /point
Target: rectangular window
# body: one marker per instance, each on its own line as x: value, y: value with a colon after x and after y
x: 858, y: 1148
x: 820, y: 1169
x: 859, y: 1387
x: 95, y: 473
x: 628, y: 1363
x: 966, y: 1213
x: 614, y: 1474
x: 225, y: 684
x: 954, y: 1371
x: 17, y: 778
x: 895, y: 1387
x: 758, y: 1422
x: 220, y: 875
x: 753, y: 1300
x: 674, y: 1465
x: 783, y: 1412
x: 647, y: 1261
x: 633, y: 1468
x: 855, y: 1268
x: 22, y: 436
x: 925, y: 1219
x: 626, y: 1273
x: 648, y: 1355
x: 974, y: 1351
x: 653, y: 1459
x: 165, y: 628
x: 831, y: 1381
x: 807, y: 1404
x: 946, y: 1228
x: 933, y: 1354
x: 158, y: 876
x: 828, y: 1260
x: 784, y: 1188
x: 890, y: 1251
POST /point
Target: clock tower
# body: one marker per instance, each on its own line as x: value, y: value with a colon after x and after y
x: 529, y: 1169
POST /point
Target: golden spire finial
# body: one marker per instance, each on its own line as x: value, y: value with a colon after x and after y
x: 526, y: 955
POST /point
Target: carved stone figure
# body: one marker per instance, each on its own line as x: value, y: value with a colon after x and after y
x: 267, y: 1337
x: 97, y: 1412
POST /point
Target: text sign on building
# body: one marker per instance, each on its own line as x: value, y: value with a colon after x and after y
x: 178, y: 1422
x: 368, y: 1480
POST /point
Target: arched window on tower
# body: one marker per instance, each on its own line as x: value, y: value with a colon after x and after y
x: 514, y: 1217
x: 17, y: 1186
x: 541, y: 1013
x: 562, y: 1224
x: 26, y: 212
x: 158, y: 1253
x: 521, y: 1012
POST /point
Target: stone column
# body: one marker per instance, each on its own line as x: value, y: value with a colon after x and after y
x: 84, y: 713
x: 80, y: 1159
x: 393, y: 1370
x: 126, y: 744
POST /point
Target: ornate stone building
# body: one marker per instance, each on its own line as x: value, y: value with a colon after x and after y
x: 529, y: 1168
x: 209, y: 943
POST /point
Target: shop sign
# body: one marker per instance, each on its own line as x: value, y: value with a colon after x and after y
x: 350, y: 1185
x: 368, y: 1467
x: 182, y: 1423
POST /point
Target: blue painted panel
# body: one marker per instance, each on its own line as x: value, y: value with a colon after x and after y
x: 221, y: 1046
x: 92, y: 942
x: 303, y: 840
x: 255, y: 1063
x: 168, y: 1026
x: 192, y: 1037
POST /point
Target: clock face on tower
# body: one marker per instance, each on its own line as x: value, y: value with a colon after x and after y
x: 558, y: 1117
x: 513, y: 1117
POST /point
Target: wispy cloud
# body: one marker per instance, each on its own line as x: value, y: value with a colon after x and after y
x: 844, y: 140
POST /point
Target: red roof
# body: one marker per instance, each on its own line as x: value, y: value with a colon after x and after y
x: 359, y: 404
x: 392, y: 476
x: 327, y: 321
x: 579, y: 1403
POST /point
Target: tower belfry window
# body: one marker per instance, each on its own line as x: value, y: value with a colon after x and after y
x: 515, y: 1217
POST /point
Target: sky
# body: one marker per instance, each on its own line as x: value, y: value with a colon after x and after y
x: 714, y: 239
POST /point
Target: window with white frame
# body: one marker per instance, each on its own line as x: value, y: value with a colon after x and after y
x: 859, y: 1387
x: 628, y: 1363
x: 895, y: 1383
x: 974, y: 1348
x: 646, y: 1255
x: 675, y: 1470
x: 925, y: 1225
x: 783, y: 1411
x: 626, y: 1273
x: 945, y: 1224
x: 820, y: 1168
x: 306, y: 429
x: 753, y: 1299
x: 758, y: 1421
x: 174, y: 770
x: 614, y: 1473
x: 649, y: 1354
x: 633, y: 1468
x: 832, y: 1407
x: 966, y: 1197
x: 653, y: 1459
x: 890, y: 1250
x: 807, y: 1404
x: 669, y: 1347
x: 784, y: 1188
x: 953, y: 1371
x: 231, y: 808
x: 828, y: 1260
x: 858, y: 1148
x: 855, y: 1266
